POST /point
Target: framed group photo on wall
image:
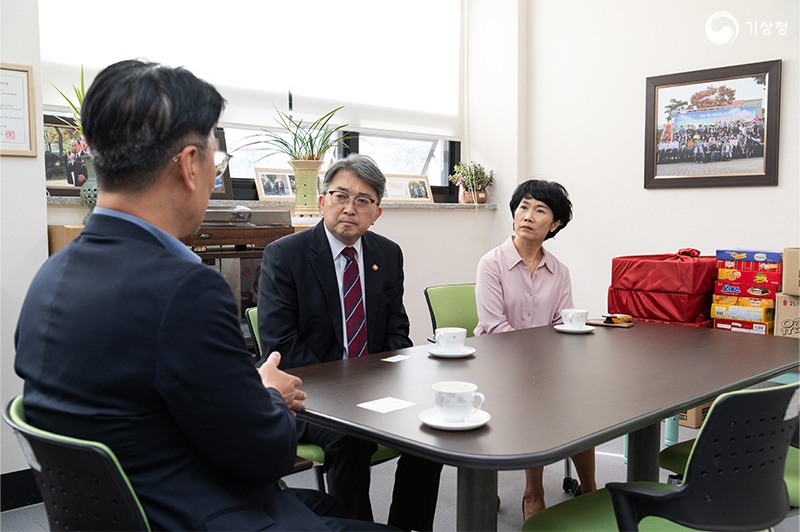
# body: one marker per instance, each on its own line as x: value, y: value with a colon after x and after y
x: 273, y: 184
x: 715, y: 127
x: 402, y: 188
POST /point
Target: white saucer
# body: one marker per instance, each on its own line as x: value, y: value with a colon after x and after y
x: 465, y: 351
x: 583, y: 330
x: 478, y: 419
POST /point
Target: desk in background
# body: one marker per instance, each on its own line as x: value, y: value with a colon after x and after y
x: 221, y: 247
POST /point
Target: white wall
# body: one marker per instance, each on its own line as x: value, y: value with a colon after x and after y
x: 23, y: 231
x: 584, y: 82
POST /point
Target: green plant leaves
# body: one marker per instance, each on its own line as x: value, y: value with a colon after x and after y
x: 306, y: 141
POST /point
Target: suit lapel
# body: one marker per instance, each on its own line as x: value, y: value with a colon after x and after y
x: 319, y: 256
x: 374, y: 268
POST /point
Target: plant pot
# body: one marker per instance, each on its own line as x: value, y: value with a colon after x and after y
x: 306, y: 180
x: 478, y: 196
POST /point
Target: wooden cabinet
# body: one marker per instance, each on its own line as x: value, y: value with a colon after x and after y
x: 58, y: 236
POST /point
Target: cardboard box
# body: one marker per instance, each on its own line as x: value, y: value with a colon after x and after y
x: 791, y: 271
x: 735, y: 312
x: 751, y: 327
x: 743, y: 301
x: 732, y: 288
x: 787, y: 315
x: 750, y: 255
x: 751, y: 266
x: 694, y: 417
x: 741, y: 276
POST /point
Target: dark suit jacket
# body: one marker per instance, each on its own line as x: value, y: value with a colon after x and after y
x: 120, y: 340
x: 299, y: 309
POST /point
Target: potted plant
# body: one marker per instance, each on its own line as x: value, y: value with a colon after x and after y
x: 82, y: 159
x: 305, y: 144
x: 472, y: 180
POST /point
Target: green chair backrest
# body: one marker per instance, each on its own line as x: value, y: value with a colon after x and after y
x: 453, y: 305
x: 81, y: 482
x: 252, y: 322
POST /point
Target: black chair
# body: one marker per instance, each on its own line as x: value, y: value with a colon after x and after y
x: 675, y: 457
x: 81, y: 482
x: 733, y: 480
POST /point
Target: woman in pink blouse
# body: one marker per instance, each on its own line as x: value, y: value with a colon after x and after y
x: 520, y: 285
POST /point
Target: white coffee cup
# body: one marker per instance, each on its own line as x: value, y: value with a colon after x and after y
x: 450, y: 339
x: 574, y: 318
x: 455, y: 401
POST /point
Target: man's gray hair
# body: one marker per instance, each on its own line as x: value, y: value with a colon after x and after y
x: 361, y: 165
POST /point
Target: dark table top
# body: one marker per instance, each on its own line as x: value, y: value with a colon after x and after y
x: 550, y: 394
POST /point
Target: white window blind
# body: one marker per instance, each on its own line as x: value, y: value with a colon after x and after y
x: 394, y: 65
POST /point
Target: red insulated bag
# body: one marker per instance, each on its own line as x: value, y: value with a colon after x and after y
x: 674, y: 288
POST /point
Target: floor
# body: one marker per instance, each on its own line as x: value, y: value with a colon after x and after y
x: 610, y: 467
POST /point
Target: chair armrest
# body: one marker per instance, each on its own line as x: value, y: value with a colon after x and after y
x: 632, y: 501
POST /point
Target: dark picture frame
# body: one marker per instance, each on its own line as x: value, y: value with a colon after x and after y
x: 222, y: 187
x: 715, y: 127
x: 58, y: 133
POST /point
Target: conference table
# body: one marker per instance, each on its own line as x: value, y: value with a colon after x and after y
x: 549, y: 394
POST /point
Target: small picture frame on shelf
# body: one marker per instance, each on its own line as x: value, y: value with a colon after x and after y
x: 403, y: 188
x: 274, y: 184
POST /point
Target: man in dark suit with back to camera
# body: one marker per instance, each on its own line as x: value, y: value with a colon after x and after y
x: 158, y: 369
x: 319, y: 288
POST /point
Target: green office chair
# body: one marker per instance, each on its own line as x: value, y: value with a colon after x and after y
x: 453, y: 305
x: 312, y: 451
x: 733, y: 478
x: 81, y: 482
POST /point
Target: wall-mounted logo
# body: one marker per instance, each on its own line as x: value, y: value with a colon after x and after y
x: 728, y: 28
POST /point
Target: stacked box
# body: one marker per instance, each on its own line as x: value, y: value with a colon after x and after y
x: 787, y: 315
x: 791, y: 271
x: 694, y: 417
x: 748, y: 283
x: 665, y: 288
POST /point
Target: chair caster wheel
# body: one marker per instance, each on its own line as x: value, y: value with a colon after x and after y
x: 571, y: 485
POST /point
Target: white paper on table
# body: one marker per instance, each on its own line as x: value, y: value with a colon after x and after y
x: 396, y: 358
x: 386, y: 404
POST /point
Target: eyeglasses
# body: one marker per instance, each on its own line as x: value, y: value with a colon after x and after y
x: 361, y: 203
x: 221, y: 158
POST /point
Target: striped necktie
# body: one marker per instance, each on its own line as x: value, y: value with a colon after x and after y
x: 354, y: 315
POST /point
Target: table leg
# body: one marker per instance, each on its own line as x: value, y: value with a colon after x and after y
x: 643, y: 448
x: 476, y: 501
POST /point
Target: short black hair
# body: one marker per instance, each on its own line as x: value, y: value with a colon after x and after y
x: 136, y: 115
x: 552, y: 194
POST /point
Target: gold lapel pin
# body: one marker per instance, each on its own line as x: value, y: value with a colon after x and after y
x: 374, y: 267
